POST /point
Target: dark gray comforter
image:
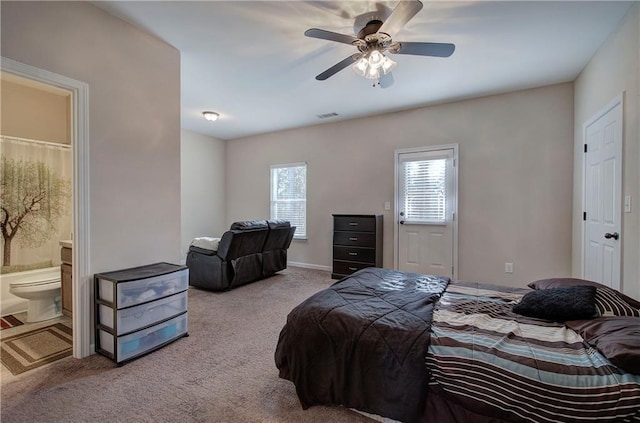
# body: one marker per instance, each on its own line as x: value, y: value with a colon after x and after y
x: 362, y: 343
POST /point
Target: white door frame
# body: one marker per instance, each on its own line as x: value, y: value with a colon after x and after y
x: 81, y: 274
x: 396, y: 210
x: 618, y: 100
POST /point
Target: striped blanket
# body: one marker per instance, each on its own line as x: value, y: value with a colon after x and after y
x: 486, y: 358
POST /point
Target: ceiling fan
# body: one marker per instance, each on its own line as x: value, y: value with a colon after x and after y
x: 375, y: 39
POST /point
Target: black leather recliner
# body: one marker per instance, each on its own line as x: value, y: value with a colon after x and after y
x: 274, y: 253
x: 247, y: 252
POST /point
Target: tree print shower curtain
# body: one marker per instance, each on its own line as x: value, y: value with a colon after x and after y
x: 35, y: 202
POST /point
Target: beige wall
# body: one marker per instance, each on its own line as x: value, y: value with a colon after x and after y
x: 202, y: 166
x: 134, y: 122
x: 613, y: 70
x: 516, y: 153
x: 32, y: 113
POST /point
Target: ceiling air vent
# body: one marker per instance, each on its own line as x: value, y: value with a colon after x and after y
x: 327, y: 115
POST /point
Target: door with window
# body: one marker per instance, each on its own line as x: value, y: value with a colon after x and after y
x: 426, y: 200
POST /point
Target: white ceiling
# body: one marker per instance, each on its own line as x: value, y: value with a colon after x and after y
x: 250, y: 61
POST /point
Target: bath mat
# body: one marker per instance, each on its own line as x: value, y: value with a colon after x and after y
x: 35, y: 348
x: 10, y: 321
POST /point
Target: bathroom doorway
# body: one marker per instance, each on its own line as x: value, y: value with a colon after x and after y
x: 77, y: 132
x: 36, y: 222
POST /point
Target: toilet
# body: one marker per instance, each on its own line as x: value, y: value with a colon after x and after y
x: 43, y: 297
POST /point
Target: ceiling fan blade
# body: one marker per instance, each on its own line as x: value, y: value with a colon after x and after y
x: 338, y: 67
x: 331, y: 36
x: 403, y: 12
x: 424, y: 49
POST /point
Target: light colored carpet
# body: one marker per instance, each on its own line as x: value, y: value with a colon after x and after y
x: 223, y: 372
x: 36, y: 348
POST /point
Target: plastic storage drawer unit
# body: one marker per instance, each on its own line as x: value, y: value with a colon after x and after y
x: 140, y: 309
x: 137, y: 317
x: 143, y: 341
x: 142, y: 290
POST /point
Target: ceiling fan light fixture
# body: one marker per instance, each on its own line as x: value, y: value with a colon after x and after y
x: 387, y: 65
x: 360, y: 67
x: 211, y: 116
x: 373, y: 73
x: 376, y: 59
x: 373, y: 65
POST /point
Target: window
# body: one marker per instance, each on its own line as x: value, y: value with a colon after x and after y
x: 425, y: 190
x: 289, y: 196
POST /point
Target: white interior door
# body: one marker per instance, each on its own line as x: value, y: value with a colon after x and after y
x: 603, y: 196
x: 425, y: 211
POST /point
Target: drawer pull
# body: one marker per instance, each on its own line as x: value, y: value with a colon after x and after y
x: 353, y: 223
x: 353, y: 254
x: 353, y: 268
x: 354, y: 238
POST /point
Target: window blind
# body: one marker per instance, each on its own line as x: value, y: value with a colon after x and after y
x: 425, y: 193
x: 289, y: 196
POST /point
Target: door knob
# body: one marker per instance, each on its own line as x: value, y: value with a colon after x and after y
x: 402, y: 222
x: 614, y: 235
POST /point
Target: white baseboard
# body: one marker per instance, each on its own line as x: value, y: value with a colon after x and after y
x: 309, y: 266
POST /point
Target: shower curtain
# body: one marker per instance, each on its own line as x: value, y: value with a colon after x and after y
x: 35, y: 192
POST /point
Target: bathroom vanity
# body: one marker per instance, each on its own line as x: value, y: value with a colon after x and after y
x: 141, y: 309
x: 66, y: 254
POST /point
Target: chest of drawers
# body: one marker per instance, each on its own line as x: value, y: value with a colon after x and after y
x: 357, y: 243
x: 139, y: 310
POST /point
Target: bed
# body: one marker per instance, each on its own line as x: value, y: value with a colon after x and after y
x: 422, y: 348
